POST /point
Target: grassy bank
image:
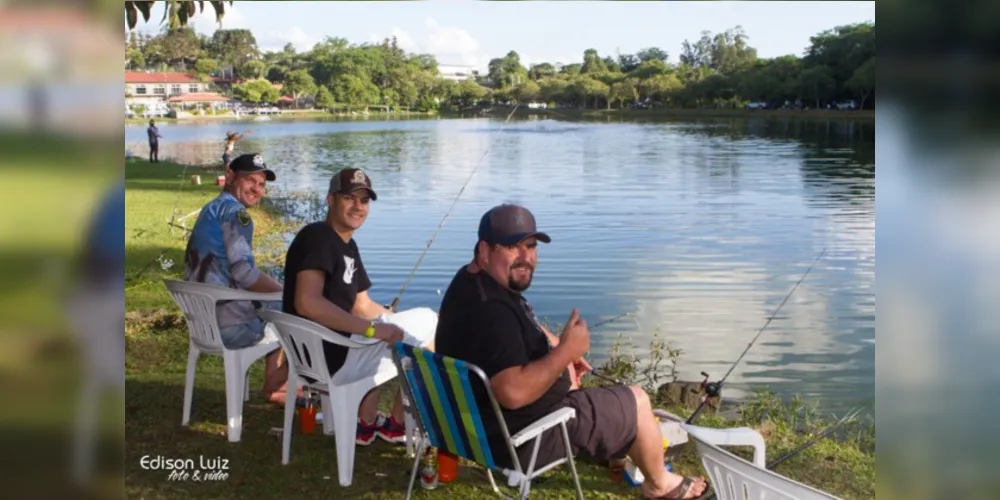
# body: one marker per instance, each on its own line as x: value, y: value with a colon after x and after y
x: 156, y: 348
x: 668, y: 113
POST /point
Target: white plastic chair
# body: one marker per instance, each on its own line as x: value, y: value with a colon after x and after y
x: 302, y: 340
x: 736, y: 479
x: 197, y: 301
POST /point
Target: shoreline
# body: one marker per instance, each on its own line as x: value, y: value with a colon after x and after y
x: 556, y: 114
x: 592, y: 114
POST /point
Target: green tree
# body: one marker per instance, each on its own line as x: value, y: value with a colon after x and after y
x: 624, y: 91
x: 253, y: 69
x: 592, y: 62
x: 816, y: 82
x: 235, y: 48
x: 324, y: 99
x: 528, y: 91
x: 863, y: 80
x: 298, y: 85
x: 257, y: 91
x: 206, y: 67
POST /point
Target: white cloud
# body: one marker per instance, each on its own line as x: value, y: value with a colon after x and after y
x: 452, y: 45
x: 204, y: 21
x: 276, y: 40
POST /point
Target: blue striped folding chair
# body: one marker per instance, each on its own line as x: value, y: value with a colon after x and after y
x: 441, y: 399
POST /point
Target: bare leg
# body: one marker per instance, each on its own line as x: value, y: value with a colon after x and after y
x: 275, y: 376
x: 368, y: 411
x: 647, y: 453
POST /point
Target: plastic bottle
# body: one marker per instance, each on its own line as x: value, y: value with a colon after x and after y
x: 447, y: 466
x: 429, y: 473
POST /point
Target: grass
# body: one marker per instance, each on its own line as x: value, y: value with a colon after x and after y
x: 156, y: 354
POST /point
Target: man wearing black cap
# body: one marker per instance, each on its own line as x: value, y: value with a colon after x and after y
x: 485, y: 320
x: 220, y: 252
x: 326, y: 282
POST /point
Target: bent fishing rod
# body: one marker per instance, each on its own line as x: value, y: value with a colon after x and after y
x: 395, y: 302
x: 714, y: 389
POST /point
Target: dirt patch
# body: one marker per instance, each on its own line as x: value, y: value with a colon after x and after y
x: 153, y: 319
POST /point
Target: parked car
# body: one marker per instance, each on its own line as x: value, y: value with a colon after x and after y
x: 849, y: 104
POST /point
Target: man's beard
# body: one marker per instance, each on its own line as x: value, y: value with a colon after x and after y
x: 520, y: 287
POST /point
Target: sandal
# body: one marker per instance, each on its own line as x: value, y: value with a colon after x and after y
x: 679, y: 491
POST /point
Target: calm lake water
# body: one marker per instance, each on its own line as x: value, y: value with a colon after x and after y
x: 698, y: 228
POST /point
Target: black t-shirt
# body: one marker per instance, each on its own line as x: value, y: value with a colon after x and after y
x: 482, y: 323
x: 317, y: 246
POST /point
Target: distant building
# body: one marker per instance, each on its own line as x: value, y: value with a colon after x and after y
x: 457, y: 73
x: 149, y: 88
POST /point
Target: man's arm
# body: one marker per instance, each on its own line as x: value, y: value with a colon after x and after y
x: 236, y: 233
x: 365, y: 307
x: 519, y: 386
x: 310, y: 303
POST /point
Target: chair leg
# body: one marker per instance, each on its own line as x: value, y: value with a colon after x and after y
x: 572, y: 465
x: 234, y: 396
x: 526, y: 485
x: 286, y: 435
x: 193, y: 354
x: 416, y: 467
x: 345, y: 423
x: 327, y: 406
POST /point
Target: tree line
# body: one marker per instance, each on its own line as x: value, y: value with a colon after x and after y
x: 718, y: 70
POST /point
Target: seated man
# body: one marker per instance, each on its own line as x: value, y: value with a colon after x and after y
x: 486, y: 321
x: 327, y: 283
x: 220, y: 252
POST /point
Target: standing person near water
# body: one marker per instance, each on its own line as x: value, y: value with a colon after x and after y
x: 231, y: 139
x: 154, y: 142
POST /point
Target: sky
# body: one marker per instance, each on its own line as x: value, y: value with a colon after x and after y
x: 470, y: 33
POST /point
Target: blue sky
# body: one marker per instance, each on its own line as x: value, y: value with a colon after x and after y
x: 463, y: 32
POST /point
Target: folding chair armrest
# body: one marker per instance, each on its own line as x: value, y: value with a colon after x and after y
x: 738, y: 436
x: 541, y: 425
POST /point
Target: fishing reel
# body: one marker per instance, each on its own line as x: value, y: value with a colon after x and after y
x: 710, y: 389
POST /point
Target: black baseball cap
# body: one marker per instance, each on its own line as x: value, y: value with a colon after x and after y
x: 249, y: 163
x: 350, y: 180
x: 509, y: 225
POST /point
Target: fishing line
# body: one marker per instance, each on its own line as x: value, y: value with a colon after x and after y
x: 713, y: 389
x: 395, y: 301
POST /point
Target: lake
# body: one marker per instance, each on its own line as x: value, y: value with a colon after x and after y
x: 698, y: 228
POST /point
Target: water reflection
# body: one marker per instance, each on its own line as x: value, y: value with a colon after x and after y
x: 700, y: 227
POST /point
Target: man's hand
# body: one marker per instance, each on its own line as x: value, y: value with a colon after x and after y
x: 388, y: 332
x: 575, y: 337
x: 581, y: 367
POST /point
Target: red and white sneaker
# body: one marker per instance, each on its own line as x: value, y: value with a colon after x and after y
x: 390, y: 430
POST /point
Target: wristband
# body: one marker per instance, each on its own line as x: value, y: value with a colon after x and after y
x: 370, y: 331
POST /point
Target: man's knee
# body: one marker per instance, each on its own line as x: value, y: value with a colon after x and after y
x: 641, y: 399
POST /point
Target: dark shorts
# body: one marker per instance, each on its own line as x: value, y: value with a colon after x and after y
x: 604, y: 427
x: 225, y: 158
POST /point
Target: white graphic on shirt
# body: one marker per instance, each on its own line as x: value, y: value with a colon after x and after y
x: 349, y: 272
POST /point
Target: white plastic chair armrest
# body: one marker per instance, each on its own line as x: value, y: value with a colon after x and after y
x: 739, y: 436
x: 543, y: 424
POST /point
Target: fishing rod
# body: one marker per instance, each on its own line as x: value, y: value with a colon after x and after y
x: 714, y: 389
x: 804, y: 446
x: 395, y: 301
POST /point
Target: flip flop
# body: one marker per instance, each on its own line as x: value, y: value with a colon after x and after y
x: 679, y: 492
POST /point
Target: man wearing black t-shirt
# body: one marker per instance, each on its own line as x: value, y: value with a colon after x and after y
x: 326, y: 282
x: 485, y: 320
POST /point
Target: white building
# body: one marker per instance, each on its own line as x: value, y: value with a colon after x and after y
x: 457, y: 73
